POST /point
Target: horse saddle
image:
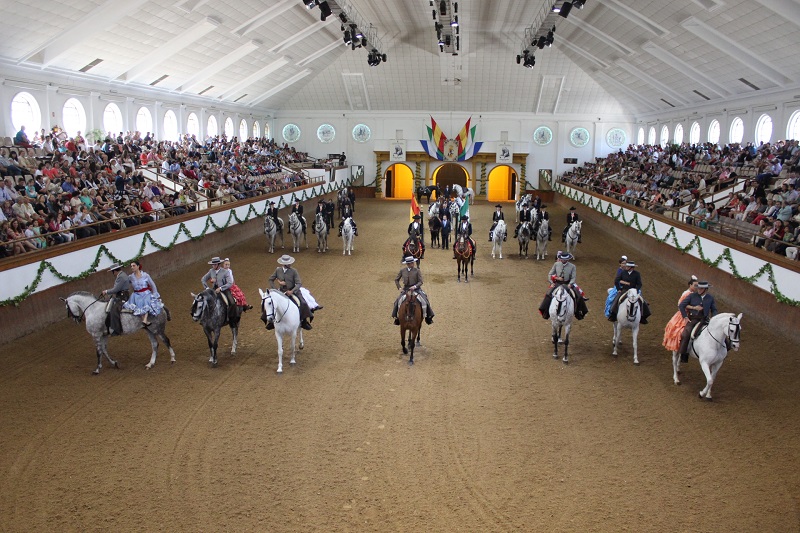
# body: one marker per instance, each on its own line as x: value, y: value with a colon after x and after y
x: 420, y: 298
x: 698, y: 328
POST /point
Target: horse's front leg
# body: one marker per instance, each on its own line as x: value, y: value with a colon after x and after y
x: 294, y: 347
x: 99, y: 351
x: 567, y: 328
x: 280, y: 351
x: 154, y: 350
x: 403, y: 340
x: 556, y: 335
x: 706, y: 392
x: 411, y: 347
x: 168, y: 344
x: 615, y: 336
x: 635, y: 333
x: 676, y: 367
x: 235, y: 332
x: 104, y: 348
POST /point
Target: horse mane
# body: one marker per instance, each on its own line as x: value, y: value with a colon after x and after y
x: 81, y: 293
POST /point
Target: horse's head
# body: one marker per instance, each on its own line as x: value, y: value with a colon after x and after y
x: 75, y: 313
x: 200, y: 304
x: 267, y: 306
x: 735, y: 330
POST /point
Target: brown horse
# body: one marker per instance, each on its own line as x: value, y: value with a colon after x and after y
x: 464, y: 257
x: 410, y: 315
x: 413, y: 247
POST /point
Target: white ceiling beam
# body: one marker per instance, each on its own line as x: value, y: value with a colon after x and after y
x: 164, y: 52
x: 254, y: 77
x: 600, y: 35
x: 581, y: 52
x: 787, y: 9
x: 265, y: 16
x: 624, y: 89
x: 100, y: 19
x: 682, y: 66
x: 218, y: 65
x: 656, y: 84
x: 301, y: 35
x: 278, y: 88
x: 734, y: 49
x: 635, y: 17
x: 338, y: 43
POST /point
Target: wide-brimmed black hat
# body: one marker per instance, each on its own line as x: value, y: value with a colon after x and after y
x: 703, y: 285
x: 500, y: 206
x: 572, y: 208
x: 416, y: 217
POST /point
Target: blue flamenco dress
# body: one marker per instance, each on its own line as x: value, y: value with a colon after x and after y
x: 145, y: 297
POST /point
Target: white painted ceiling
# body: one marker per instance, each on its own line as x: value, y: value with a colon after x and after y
x: 612, y: 57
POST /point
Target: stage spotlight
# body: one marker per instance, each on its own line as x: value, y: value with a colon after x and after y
x: 541, y: 42
x: 383, y: 57
x: 454, y: 22
x: 364, y: 42
x: 342, y: 17
x: 309, y: 4
x: 442, y: 8
x: 455, y: 7
x: 519, y: 58
x: 347, y: 38
x: 447, y: 40
x: 324, y: 11
x: 566, y: 7
x: 578, y: 3
x: 550, y: 39
x: 434, y: 14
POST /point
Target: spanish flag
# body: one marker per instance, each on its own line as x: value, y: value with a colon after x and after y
x: 414, y: 209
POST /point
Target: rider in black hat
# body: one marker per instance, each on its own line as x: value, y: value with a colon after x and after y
x: 415, y: 228
x: 497, y: 215
x: 572, y: 216
x: 298, y: 208
x: 697, y: 307
x: 465, y: 228
x: 525, y: 215
x: 272, y: 212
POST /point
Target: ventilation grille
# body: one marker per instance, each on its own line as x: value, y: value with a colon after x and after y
x: 749, y: 84
x: 701, y: 95
x: 205, y: 90
x: 245, y: 94
x: 669, y: 104
x: 159, y: 80
x: 92, y: 65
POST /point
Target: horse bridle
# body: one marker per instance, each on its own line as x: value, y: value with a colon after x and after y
x: 277, y: 319
x: 733, y: 336
x: 633, y: 305
x: 561, y: 301
x: 79, y: 318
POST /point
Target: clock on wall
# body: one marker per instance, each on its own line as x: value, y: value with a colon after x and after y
x: 361, y: 133
x: 326, y: 133
x: 543, y: 135
x: 616, y: 138
x: 291, y: 133
x: 579, y: 137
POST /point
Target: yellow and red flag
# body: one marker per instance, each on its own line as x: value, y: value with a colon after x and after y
x: 414, y: 209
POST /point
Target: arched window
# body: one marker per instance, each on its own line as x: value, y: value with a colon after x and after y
x: 678, y: 137
x: 793, y: 129
x: 243, y: 131
x: 713, y: 132
x: 763, y: 129
x: 112, y: 118
x: 664, y: 136
x: 736, y: 133
x: 211, y: 128
x: 694, y: 133
x: 144, y: 121
x: 256, y: 130
x: 25, y: 112
x: 193, y: 125
x: 74, y: 117
x: 651, y: 136
x: 170, y: 126
x: 266, y: 131
x: 228, y: 128
x: 640, y: 137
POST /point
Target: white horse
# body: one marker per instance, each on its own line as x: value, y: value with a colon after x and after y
x: 271, y: 231
x: 524, y: 237
x: 629, y: 314
x: 285, y: 315
x: 711, y: 347
x: 296, y: 229
x: 454, y: 212
x: 347, y: 236
x: 526, y: 199
x: 573, y: 234
x: 542, y: 236
x: 562, y: 312
x: 433, y: 210
x: 497, y: 239
x: 82, y: 305
x: 321, y: 229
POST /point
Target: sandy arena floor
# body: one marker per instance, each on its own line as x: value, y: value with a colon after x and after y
x: 485, y: 433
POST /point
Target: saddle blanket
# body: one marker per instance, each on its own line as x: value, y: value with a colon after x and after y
x: 420, y: 297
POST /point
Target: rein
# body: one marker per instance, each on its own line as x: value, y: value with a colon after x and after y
x: 274, y: 308
x: 79, y: 318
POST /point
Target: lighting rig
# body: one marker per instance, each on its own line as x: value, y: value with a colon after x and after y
x: 445, y: 22
x: 542, y: 33
x: 356, y: 31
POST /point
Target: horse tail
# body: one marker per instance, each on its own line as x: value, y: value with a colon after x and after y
x: 169, y: 315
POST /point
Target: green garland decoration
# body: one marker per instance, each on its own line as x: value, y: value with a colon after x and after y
x: 671, y: 238
x: 103, y: 251
x: 378, y: 177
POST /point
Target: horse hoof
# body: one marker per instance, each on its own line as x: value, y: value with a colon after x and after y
x: 566, y: 362
x: 636, y: 363
x: 96, y: 372
x: 555, y: 356
x: 411, y: 363
x: 677, y: 382
x: 116, y: 365
x: 280, y: 371
x: 148, y: 366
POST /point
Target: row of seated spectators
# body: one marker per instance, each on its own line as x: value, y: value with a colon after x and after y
x: 53, y: 198
x: 663, y: 180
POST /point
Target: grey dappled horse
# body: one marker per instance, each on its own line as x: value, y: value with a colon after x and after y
x: 271, y: 231
x: 296, y: 229
x: 321, y: 229
x: 210, y: 310
x: 84, y: 306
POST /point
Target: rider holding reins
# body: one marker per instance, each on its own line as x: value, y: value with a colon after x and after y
x: 411, y: 277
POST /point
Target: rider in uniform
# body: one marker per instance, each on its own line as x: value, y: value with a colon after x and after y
x: 219, y: 279
x: 411, y: 277
x: 289, y: 283
x: 697, y: 307
x: 298, y: 208
x: 465, y: 228
x: 572, y: 216
x: 628, y: 278
x: 272, y: 212
x: 415, y: 228
x: 119, y: 295
x: 497, y: 215
x: 347, y: 211
x: 524, y: 216
x: 564, y: 272
x: 319, y: 210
